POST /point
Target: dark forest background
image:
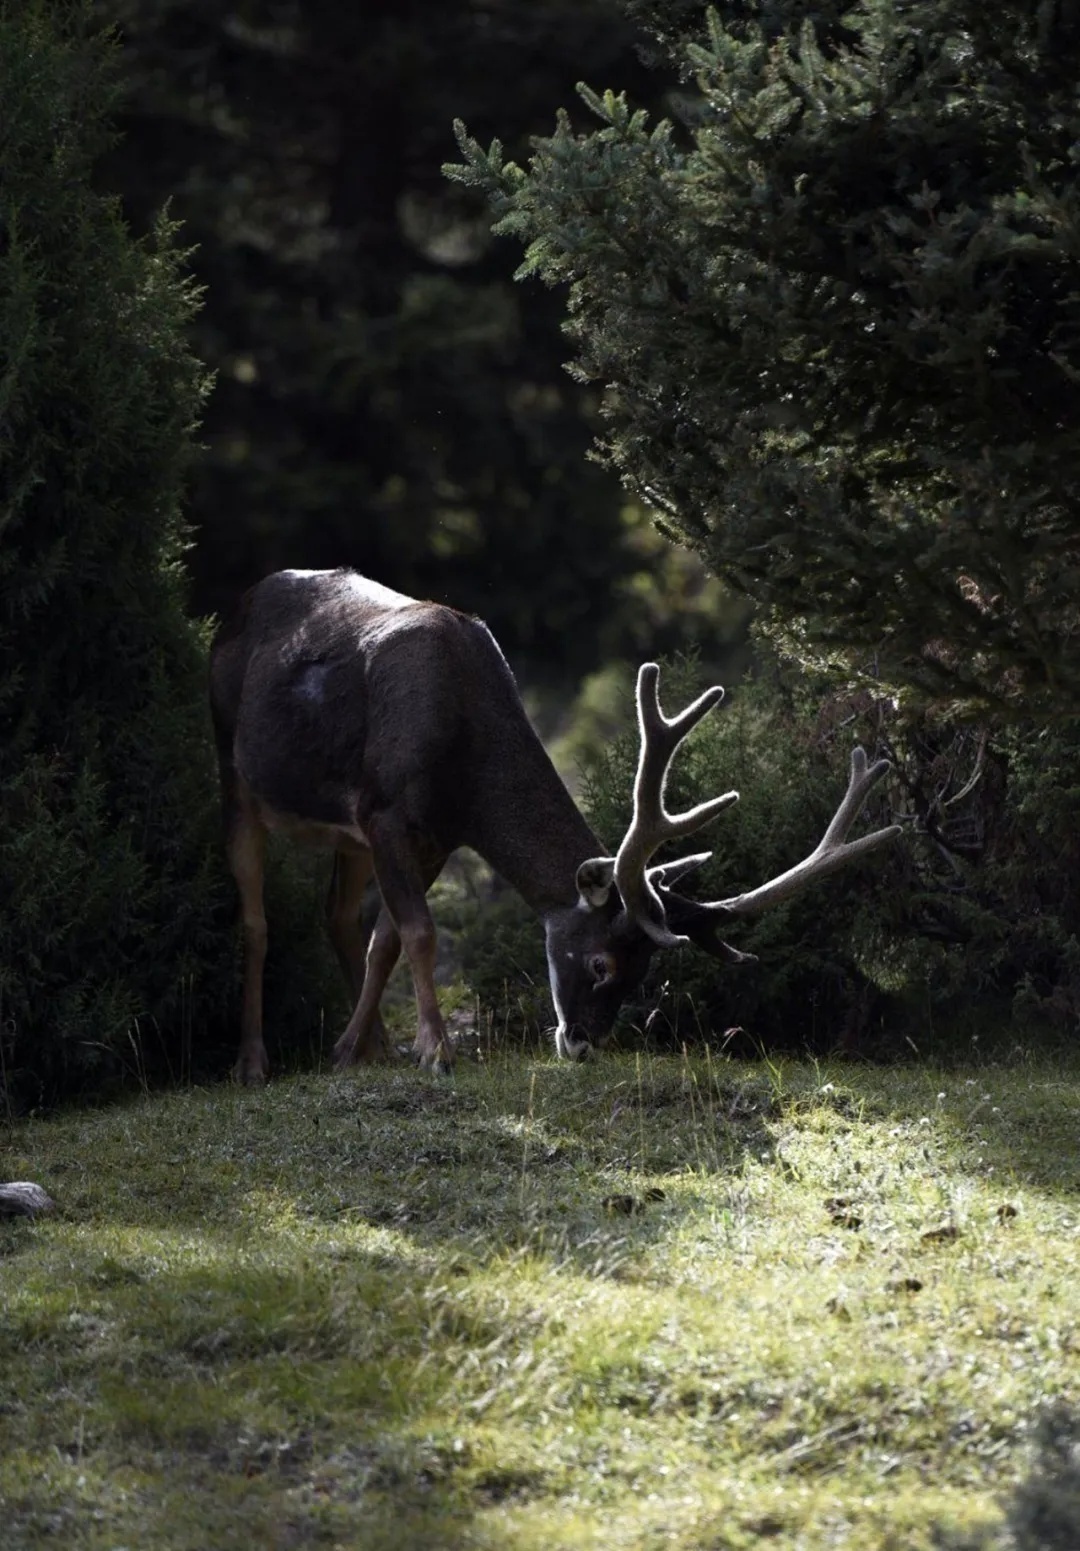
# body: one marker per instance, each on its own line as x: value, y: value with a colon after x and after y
x: 386, y: 396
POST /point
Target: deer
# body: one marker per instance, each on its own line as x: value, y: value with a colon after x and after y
x: 391, y: 730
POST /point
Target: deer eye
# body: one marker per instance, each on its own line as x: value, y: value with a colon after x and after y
x: 601, y: 968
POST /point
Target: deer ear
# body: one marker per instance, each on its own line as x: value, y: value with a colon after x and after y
x: 594, y: 880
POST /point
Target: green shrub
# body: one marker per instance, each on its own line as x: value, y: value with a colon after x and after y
x: 975, y: 924
x: 306, y: 1004
x: 499, y: 944
x: 1035, y: 874
x: 116, y: 941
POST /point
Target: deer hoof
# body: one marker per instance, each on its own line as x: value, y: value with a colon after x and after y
x: 349, y: 1051
x: 363, y: 1051
x: 440, y: 1060
x: 250, y: 1074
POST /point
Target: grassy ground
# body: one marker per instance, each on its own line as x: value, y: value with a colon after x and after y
x: 647, y: 1303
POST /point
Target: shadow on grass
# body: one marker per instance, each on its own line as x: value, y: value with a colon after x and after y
x: 265, y: 1309
x: 218, y: 1393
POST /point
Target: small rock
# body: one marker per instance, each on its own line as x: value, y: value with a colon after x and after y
x: 23, y: 1199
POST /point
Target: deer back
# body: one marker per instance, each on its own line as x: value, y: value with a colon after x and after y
x: 334, y: 696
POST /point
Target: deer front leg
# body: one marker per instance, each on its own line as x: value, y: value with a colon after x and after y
x: 351, y: 936
x: 245, y: 848
x: 405, y: 872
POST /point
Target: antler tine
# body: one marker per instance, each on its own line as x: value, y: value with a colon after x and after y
x: 651, y: 824
x: 860, y: 784
x: 668, y: 732
x: 666, y: 873
x: 833, y: 851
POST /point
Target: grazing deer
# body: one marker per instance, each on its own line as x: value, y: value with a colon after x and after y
x: 393, y: 731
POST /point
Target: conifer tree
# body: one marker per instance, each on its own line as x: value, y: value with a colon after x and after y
x: 836, y: 314
x: 108, y: 879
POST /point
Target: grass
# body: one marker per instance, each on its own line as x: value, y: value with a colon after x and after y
x: 648, y: 1303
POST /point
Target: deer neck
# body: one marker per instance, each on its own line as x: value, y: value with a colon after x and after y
x: 529, y: 829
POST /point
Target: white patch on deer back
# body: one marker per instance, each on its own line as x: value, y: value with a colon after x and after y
x: 375, y: 592
x: 310, y: 682
x: 362, y: 586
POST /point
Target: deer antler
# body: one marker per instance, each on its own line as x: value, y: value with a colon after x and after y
x: 651, y: 824
x: 646, y: 892
x: 833, y: 851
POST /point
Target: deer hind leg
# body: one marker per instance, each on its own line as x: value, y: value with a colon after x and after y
x: 245, y: 848
x: 406, y: 870
x: 350, y: 936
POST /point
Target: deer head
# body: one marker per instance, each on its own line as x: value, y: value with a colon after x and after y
x: 599, y: 950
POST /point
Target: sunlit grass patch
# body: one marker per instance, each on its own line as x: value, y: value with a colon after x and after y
x: 657, y: 1301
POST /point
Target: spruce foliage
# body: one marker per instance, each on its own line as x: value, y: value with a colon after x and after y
x: 837, y: 315
x: 109, y: 884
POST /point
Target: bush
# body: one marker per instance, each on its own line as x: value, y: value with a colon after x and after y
x: 504, y: 964
x: 115, y: 912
